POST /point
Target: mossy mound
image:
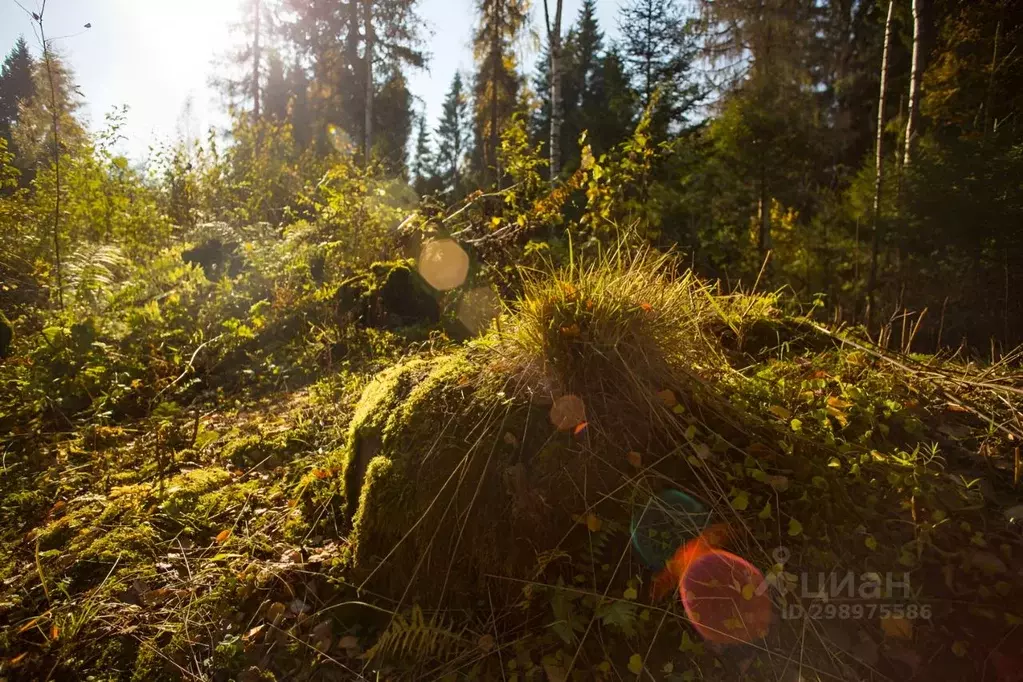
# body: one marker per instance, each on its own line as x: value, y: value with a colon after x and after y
x: 439, y: 488
x: 486, y: 461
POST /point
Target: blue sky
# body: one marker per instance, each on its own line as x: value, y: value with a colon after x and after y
x: 156, y: 55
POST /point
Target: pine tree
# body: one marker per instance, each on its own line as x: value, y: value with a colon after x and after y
x: 588, y: 44
x: 245, y: 67
x: 33, y: 133
x: 16, y: 85
x: 277, y: 93
x: 497, y: 82
x: 616, y: 116
x: 423, y: 171
x: 659, y: 47
x: 453, y: 136
x: 393, y: 121
x: 355, y: 49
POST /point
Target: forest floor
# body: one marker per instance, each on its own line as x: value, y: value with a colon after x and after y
x: 309, y: 532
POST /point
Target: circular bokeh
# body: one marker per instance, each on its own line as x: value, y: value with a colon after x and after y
x: 723, y: 597
x: 664, y: 523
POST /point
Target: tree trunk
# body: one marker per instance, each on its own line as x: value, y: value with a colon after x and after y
x: 989, y: 98
x: 256, y: 56
x: 554, y: 39
x: 496, y: 56
x: 879, y: 166
x: 916, y: 73
x: 368, y: 127
x: 764, y: 214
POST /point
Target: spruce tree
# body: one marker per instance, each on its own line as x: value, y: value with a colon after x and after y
x: 424, y: 174
x: 659, y: 48
x: 497, y: 81
x: 16, y: 85
x: 453, y: 136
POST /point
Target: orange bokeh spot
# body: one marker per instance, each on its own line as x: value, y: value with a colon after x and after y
x: 568, y: 412
x: 724, y: 597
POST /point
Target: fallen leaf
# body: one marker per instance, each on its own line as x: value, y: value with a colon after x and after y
x: 223, y: 535
x: 635, y: 459
x: 740, y: 501
x: 795, y: 528
x: 323, y: 636
x: 959, y: 648
x: 579, y: 428
x: 54, y: 631
x: 485, y: 643
x: 871, y: 543
x: 667, y: 398
x: 646, y: 307
x: 253, y: 634
x: 631, y: 594
x: 275, y: 612
x: 838, y: 403
x: 349, y: 643
x: 780, y: 412
x: 635, y: 664
x: 18, y: 659
x: 321, y: 473
x: 592, y: 522
x: 897, y: 627
x: 510, y: 439
x: 988, y: 563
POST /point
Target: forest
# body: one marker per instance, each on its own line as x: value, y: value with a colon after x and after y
x: 683, y: 349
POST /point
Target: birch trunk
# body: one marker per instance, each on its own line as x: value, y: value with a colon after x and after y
x: 879, y: 166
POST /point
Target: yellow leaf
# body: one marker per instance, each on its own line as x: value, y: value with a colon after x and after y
x: 747, y: 591
x: 631, y: 594
x: 795, y: 528
x: 668, y: 398
x: 635, y: 664
x: 223, y: 535
x: 780, y: 412
x: 592, y: 522
x: 838, y: 403
x: 765, y: 513
x: 897, y: 627
x: 635, y: 459
x: 741, y: 501
x: 688, y: 645
x: 959, y: 648
x: 871, y: 543
x: 495, y: 221
x: 838, y: 415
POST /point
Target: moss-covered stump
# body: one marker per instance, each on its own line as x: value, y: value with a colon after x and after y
x: 448, y: 477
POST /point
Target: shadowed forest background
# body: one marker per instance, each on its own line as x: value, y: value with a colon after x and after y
x: 761, y: 137
x: 344, y: 393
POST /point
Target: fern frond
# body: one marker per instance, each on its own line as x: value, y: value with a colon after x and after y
x: 419, y: 639
x: 92, y: 269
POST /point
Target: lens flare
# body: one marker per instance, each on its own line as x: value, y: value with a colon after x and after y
x: 724, y: 597
x: 568, y: 412
x: 339, y: 139
x: 478, y: 308
x: 443, y: 264
x: 665, y: 522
